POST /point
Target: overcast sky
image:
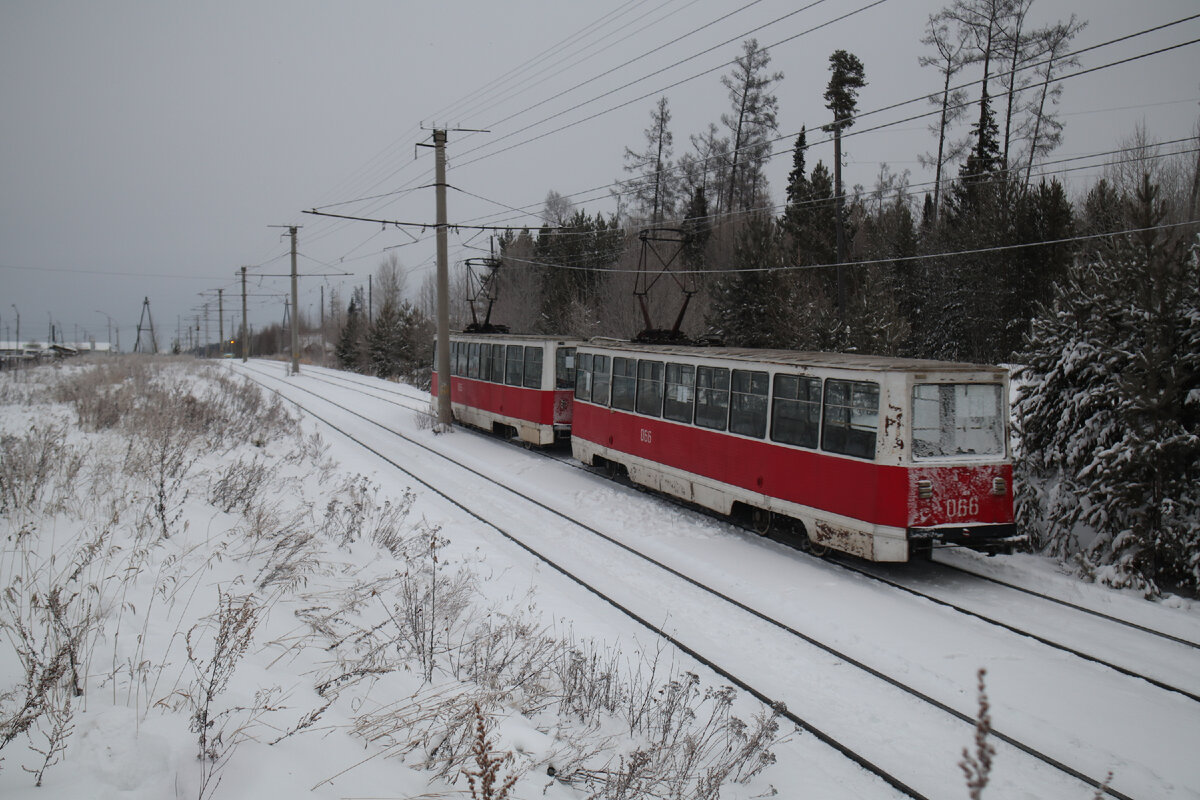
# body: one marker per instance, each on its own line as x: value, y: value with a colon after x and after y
x: 146, y: 147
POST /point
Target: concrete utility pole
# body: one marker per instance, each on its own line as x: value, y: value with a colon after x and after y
x: 221, y: 321
x: 245, y: 338
x: 295, y: 305
x: 322, y: 325
x: 18, y: 313
x: 443, y: 281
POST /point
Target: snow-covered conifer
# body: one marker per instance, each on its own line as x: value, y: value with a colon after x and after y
x: 1109, y: 409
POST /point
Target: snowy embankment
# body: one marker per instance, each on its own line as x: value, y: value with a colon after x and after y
x: 199, y: 601
x: 252, y: 605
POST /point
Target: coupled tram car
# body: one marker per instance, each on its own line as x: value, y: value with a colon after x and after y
x: 877, y: 457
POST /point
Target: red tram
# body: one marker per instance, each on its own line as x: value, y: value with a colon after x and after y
x: 878, y: 457
x: 516, y: 385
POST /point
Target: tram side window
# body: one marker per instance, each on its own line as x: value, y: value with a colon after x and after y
x: 712, y: 397
x: 650, y: 388
x: 748, y: 403
x: 533, y: 367
x: 564, y: 367
x: 455, y: 349
x: 485, y: 361
x: 473, y: 360
x: 514, y: 364
x: 796, y: 410
x: 583, y: 376
x: 851, y: 418
x: 601, y: 378
x: 681, y: 392
x: 497, y: 371
x: 624, y: 383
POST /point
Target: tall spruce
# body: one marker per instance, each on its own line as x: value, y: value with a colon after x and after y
x: 349, y: 349
x: 751, y: 306
x: 1109, y: 410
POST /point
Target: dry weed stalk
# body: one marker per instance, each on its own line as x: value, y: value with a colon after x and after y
x: 487, y: 765
x: 977, y: 767
x: 236, y: 619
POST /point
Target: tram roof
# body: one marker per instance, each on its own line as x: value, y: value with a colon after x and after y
x: 515, y: 337
x: 796, y: 358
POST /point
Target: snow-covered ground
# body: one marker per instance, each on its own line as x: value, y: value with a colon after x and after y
x: 132, y: 737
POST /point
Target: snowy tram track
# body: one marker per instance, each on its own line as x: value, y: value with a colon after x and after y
x: 859, y: 694
x: 1182, y: 665
x: 1125, y: 650
x: 1186, y: 642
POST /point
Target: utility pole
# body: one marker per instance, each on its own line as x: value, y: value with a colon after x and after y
x: 295, y: 307
x: 370, y: 302
x: 443, y: 280
x: 322, y: 324
x: 18, y: 313
x: 207, y: 340
x: 245, y: 338
x: 221, y: 320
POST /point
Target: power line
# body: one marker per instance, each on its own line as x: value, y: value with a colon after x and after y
x: 874, y: 261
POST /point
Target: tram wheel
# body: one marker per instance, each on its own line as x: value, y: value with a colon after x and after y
x: 761, y: 519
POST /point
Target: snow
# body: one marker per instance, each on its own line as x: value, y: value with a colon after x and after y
x: 131, y: 738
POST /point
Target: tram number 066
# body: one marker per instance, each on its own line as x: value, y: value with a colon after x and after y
x: 646, y: 436
x: 962, y: 507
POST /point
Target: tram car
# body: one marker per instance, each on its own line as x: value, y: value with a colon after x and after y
x: 513, y: 385
x: 877, y: 457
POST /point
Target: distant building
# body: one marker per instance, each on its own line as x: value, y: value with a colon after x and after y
x: 32, y: 352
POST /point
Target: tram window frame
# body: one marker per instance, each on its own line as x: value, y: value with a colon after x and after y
x: 748, y: 391
x: 485, y: 361
x: 514, y: 364
x: 649, y: 388
x: 708, y: 389
x: 601, y: 379
x: 583, y: 377
x: 679, y: 395
x: 624, y: 383
x: 473, y: 360
x: 564, y: 367
x: 497, y: 358
x: 792, y: 410
x: 846, y: 406
x: 534, y: 364
x: 454, y: 351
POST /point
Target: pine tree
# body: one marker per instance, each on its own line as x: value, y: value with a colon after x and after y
x: 841, y: 97
x: 349, y: 349
x: 1109, y: 411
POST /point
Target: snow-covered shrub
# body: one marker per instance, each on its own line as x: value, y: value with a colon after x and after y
x: 1109, y: 411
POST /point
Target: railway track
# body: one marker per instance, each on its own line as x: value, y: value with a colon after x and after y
x: 402, y: 400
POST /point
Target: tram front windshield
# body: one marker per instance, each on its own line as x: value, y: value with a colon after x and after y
x: 958, y: 420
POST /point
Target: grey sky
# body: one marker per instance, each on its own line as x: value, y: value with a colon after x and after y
x: 146, y: 146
